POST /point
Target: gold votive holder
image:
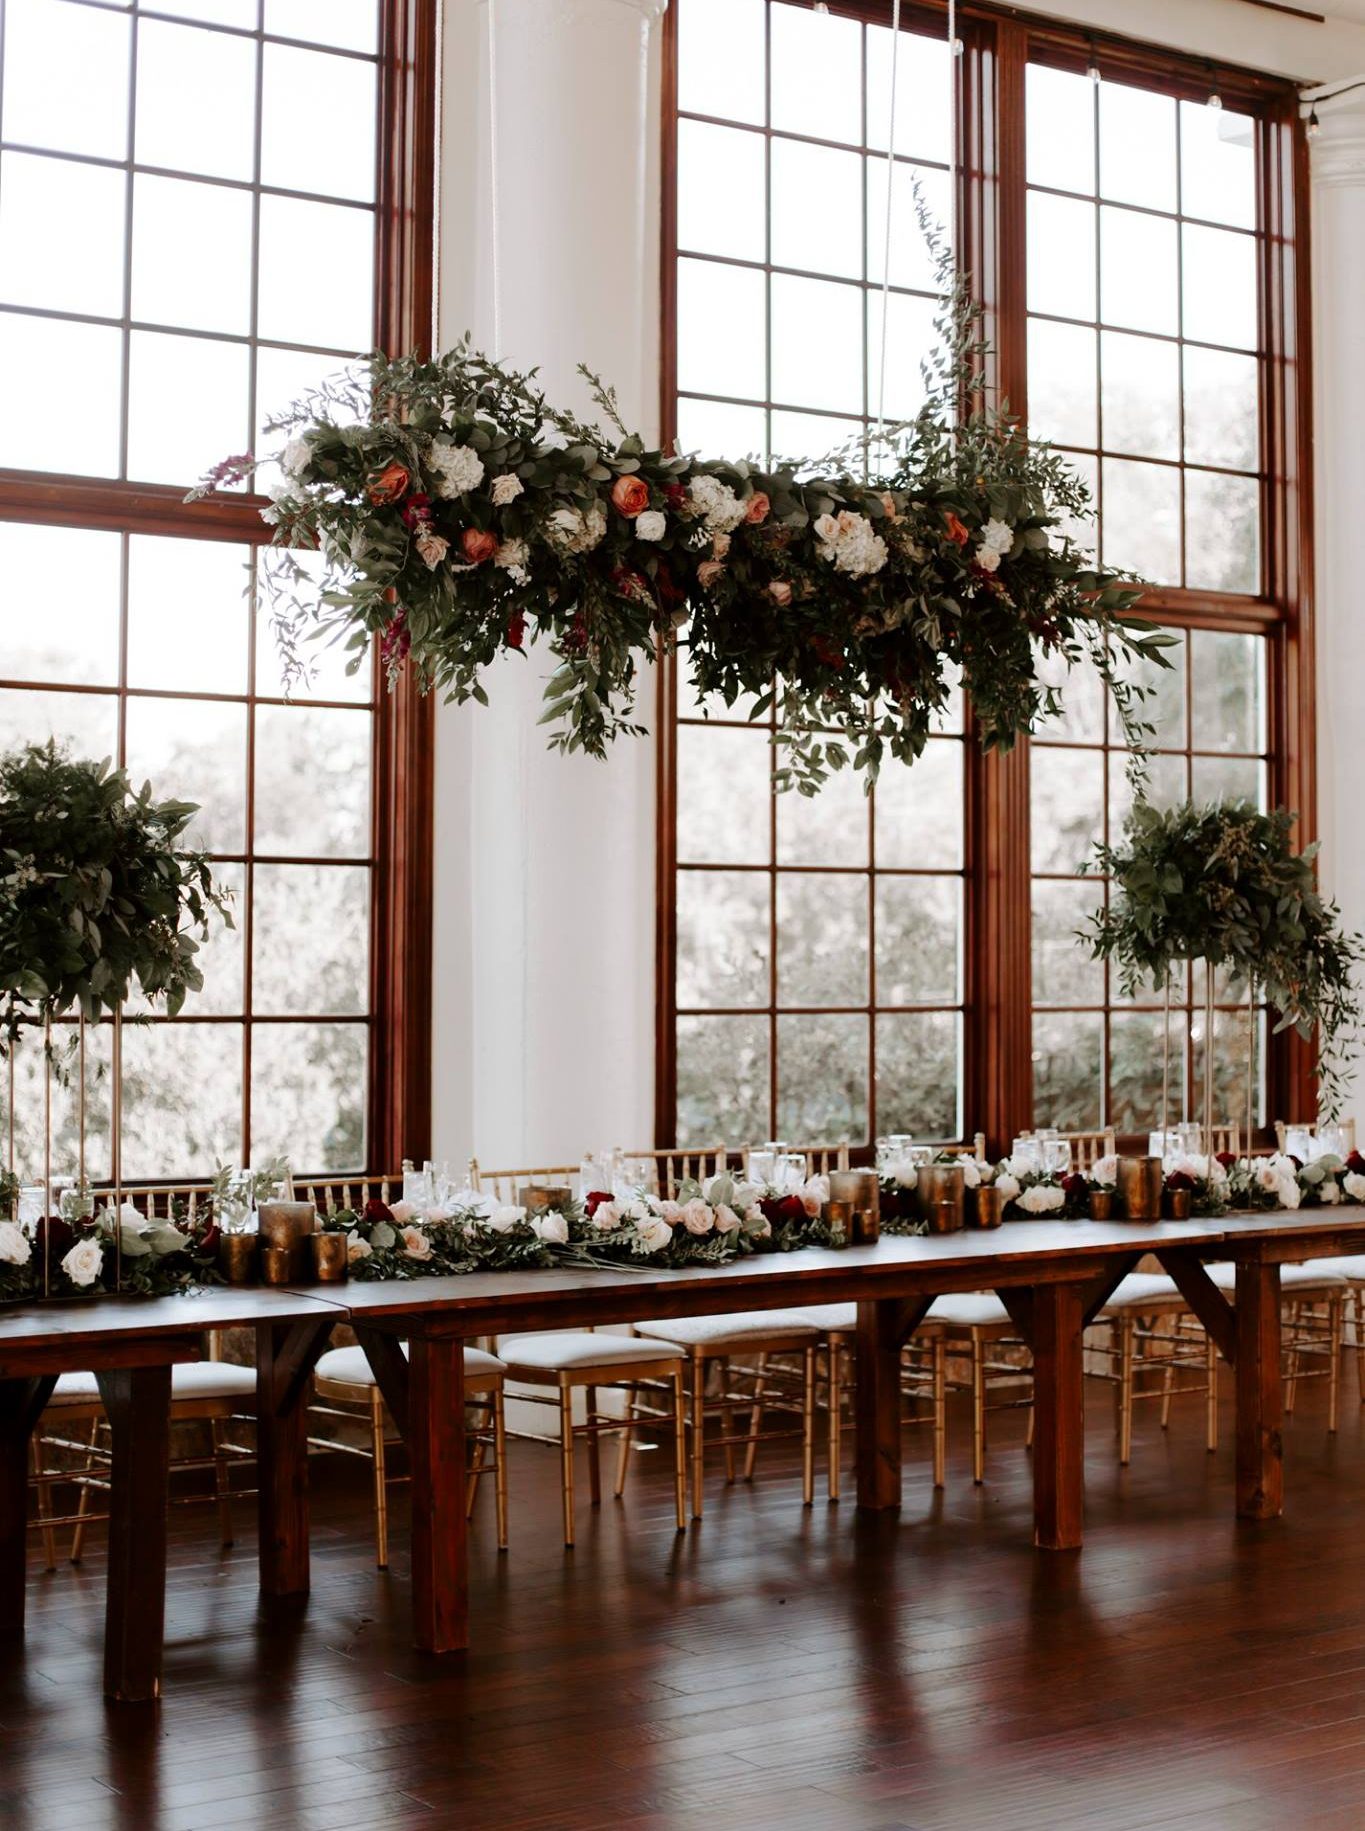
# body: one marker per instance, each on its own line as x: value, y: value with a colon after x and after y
x: 331, y: 1257
x: 988, y: 1208
x: 237, y: 1257
x: 1179, y: 1203
x: 281, y: 1265
x: 1101, y: 1204
x: 859, y: 1188
x: 1140, y: 1182
x: 939, y: 1183
x: 839, y: 1220
x: 945, y: 1217
x: 542, y: 1198
x: 287, y: 1224
x: 867, y: 1226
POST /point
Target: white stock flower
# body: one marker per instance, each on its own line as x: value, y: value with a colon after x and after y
x: 850, y: 543
x: 84, y: 1263
x: 1041, y: 1199
x: 1007, y: 1184
x: 654, y: 1234
x: 503, y: 1220
x: 606, y: 1217
x: 457, y: 468
x: 697, y: 1217
x: 14, y: 1245
x: 506, y: 488
x: 551, y: 1227
x: 727, y: 1221
x: 651, y: 525
x: 715, y: 504
x: 998, y: 536
x: 1104, y: 1172
x: 1354, y: 1186
x: 357, y: 1248
x: 416, y: 1245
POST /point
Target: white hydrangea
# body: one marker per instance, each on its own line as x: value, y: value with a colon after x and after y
x: 850, y: 543
x: 715, y: 504
x: 576, y: 531
x: 457, y: 468
x: 1041, y: 1199
x: 506, y: 488
x: 651, y: 525
x: 512, y: 556
x: 1007, y: 1184
x: 997, y: 536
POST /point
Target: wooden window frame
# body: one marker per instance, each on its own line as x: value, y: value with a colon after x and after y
x: 998, y: 44
x: 398, y: 1108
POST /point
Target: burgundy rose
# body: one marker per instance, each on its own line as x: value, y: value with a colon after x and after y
x: 1355, y: 1163
x: 594, y: 1201
x: 1180, y: 1179
x: 516, y: 629
x: 377, y: 1211
x: 783, y: 1210
x: 1227, y: 1159
x: 825, y: 651
x: 675, y: 495
x: 207, y: 1243
x: 395, y: 641
x: 1075, y: 1185
x: 54, y: 1236
x: 416, y: 510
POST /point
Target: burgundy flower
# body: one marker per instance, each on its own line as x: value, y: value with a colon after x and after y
x: 595, y: 1200
x: 516, y: 629
x: 395, y: 641
x: 416, y: 510
x: 632, y: 585
x: 675, y: 495
x: 54, y: 1236
x: 783, y: 1210
x: 1075, y: 1184
x: 1227, y: 1159
x: 1180, y: 1179
x: 207, y: 1243
x: 1355, y: 1163
x: 377, y: 1211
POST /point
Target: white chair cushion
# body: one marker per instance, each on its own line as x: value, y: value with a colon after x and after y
x: 561, y: 1353
x: 971, y: 1310
x: 1140, y: 1288
x: 1351, y: 1266
x: 1292, y: 1277
x: 828, y: 1318
x: 742, y: 1328
x: 348, y: 1366
x: 189, y: 1380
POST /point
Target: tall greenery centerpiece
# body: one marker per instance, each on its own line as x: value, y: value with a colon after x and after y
x: 1223, y: 884
x: 98, y: 892
x: 460, y: 516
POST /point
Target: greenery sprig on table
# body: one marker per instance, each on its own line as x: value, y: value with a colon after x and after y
x: 97, y: 891
x: 459, y: 515
x: 1223, y: 884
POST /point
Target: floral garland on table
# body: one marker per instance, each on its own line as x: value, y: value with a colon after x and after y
x: 460, y: 516
x: 155, y: 1258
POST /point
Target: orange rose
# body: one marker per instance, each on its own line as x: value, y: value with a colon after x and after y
x: 630, y: 496
x: 477, y: 546
x: 391, y: 485
x: 957, y: 531
x: 757, y: 509
x: 780, y: 592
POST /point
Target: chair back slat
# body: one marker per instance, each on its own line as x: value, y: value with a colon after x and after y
x: 1347, y: 1128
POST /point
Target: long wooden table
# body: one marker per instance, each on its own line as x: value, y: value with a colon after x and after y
x: 130, y: 1345
x: 1053, y: 1277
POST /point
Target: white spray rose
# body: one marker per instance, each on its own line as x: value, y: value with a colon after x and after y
x: 654, y: 1234
x: 416, y: 1245
x: 15, y: 1248
x: 357, y: 1248
x: 697, y: 1217
x: 506, y: 488
x: 651, y: 525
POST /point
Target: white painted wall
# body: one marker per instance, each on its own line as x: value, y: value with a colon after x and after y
x: 545, y: 866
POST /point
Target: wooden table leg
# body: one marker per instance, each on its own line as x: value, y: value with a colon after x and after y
x: 436, y: 1451
x: 21, y: 1401
x: 1058, y: 1322
x: 1260, y: 1395
x: 137, y: 1403
x: 877, y: 1403
x: 285, y: 1356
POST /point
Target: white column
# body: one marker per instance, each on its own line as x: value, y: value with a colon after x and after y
x: 1339, y: 484
x: 545, y: 879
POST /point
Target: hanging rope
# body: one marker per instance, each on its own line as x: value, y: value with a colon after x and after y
x: 890, y: 194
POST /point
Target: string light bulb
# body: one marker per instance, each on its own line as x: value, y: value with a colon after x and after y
x: 1314, y: 127
x: 1215, y: 100
x: 1093, y: 68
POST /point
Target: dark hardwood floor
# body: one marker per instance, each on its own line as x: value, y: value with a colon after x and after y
x: 773, y: 1669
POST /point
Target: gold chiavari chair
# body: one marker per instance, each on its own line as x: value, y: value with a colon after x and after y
x: 1347, y: 1128
x: 674, y: 1164
x: 1088, y: 1147
x: 820, y: 1158
x: 328, y: 1194
x: 554, y: 1366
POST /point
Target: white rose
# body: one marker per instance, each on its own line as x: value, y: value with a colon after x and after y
x: 606, y: 1217
x: 1267, y: 1176
x: 655, y: 1234
x: 416, y: 1245
x: 988, y: 559
x: 1041, y: 1199
x: 503, y: 1220
x: 403, y: 1212
x: 756, y: 1223
x: 431, y: 547
x: 671, y: 1212
x: 1019, y: 1166
x: 506, y: 488
x: 552, y: 1228
x: 15, y: 1249
x: 697, y: 1217
x: 971, y: 1173
x: 651, y: 525
x: 1008, y: 1185
x: 906, y: 1174
x: 640, y: 1209
x: 357, y: 1248
x: 1354, y: 1186
x: 1104, y: 1172
x: 727, y: 1221
x: 84, y: 1263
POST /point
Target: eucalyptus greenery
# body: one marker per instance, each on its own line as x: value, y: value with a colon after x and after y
x: 97, y: 890
x: 1223, y: 884
x: 459, y: 516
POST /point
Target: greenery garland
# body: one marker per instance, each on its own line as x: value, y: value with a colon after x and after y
x: 460, y: 516
x: 1223, y: 884
x: 96, y: 891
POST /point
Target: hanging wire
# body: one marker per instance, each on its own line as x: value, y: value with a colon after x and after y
x: 890, y: 194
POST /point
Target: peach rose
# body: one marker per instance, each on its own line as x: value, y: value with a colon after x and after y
x: 708, y: 572
x: 477, y: 546
x: 391, y: 485
x: 757, y: 508
x: 630, y: 496
x: 780, y: 592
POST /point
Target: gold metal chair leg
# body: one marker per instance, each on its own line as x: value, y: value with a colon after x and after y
x: 594, y: 1458
x: 978, y: 1409
x: 1168, y: 1384
x: 381, y: 1490
x: 940, y: 1402
x: 1334, y: 1364
x: 698, y: 1429
x: 500, y: 1465
x: 756, y: 1417
x: 1211, y: 1398
x: 680, y: 1448
x: 727, y: 1424
x: 566, y: 1454
x: 476, y: 1463
x: 834, y: 1398
x: 83, y: 1503
x: 43, y: 1485
x: 222, y: 1483
x: 1126, y: 1326
x: 1291, y: 1386
x: 808, y: 1427
x: 1358, y: 1319
x: 623, y: 1446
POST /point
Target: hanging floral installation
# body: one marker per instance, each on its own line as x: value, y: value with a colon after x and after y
x: 460, y: 516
